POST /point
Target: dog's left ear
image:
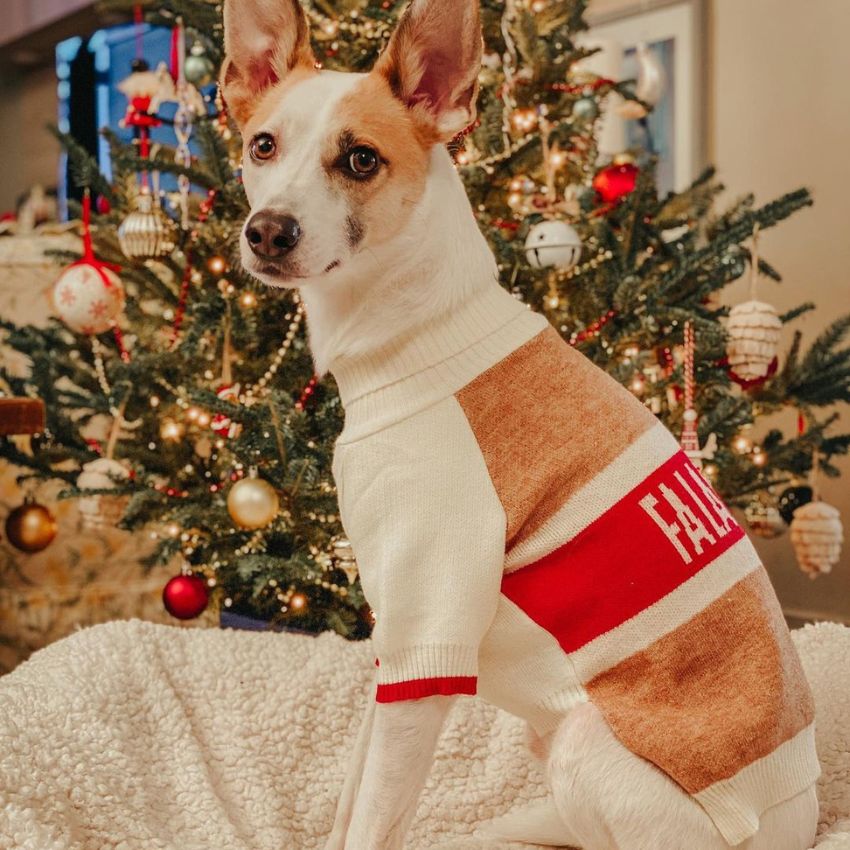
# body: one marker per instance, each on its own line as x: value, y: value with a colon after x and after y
x: 432, y: 64
x: 263, y: 41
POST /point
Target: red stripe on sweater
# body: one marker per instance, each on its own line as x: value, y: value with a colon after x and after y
x: 416, y: 688
x: 627, y: 559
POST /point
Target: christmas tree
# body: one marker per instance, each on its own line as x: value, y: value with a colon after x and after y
x: 215, y: 435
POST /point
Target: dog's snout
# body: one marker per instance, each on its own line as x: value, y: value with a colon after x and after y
x: 271, y: 234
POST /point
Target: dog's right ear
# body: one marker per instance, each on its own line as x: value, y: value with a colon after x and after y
x: 432, y: 62
x: 263, y: 41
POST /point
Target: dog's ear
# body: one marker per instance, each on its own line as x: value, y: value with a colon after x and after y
x: 432, y: 63
x: 263, y: 41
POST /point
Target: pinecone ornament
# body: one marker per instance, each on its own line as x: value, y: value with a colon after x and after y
x: 753, y: 331
x: 817, y: 535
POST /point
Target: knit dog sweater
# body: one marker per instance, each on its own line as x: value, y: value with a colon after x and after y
x: 527, y: 530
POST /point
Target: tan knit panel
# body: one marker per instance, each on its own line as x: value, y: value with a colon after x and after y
x: 716, y: 694
x: 547, y: 420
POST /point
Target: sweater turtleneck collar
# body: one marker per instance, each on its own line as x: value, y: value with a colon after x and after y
x: 431, y: 360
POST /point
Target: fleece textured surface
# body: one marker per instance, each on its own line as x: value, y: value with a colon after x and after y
x: 133, y: 735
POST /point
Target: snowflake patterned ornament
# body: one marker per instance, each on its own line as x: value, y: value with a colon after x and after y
x: 690, y: 438
x: 88, y: 296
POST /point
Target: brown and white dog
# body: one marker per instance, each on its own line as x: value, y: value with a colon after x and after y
x: 355, y: 201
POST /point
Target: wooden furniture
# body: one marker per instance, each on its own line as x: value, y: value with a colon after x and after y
x: 21, y: 416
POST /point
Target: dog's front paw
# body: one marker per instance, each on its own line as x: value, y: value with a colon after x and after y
x: 537, y: 823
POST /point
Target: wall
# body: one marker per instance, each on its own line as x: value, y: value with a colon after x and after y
x: 29, y: 153
x: 21, y: 17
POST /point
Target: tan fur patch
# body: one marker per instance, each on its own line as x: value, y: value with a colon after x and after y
x: 264, y: 40
x: 376, y: 118
x: 267, y: 104
x: 714, y: 695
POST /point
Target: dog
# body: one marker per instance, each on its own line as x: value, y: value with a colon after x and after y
x: 525, y: 529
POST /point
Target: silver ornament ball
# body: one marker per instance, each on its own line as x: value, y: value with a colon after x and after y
x: 198, y: 67
x: 585, y: 109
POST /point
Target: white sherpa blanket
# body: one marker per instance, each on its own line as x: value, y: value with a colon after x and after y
x: 134, y: 736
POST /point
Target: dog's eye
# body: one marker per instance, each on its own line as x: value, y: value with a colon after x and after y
x: 362, y: 161
x: 262, y: 147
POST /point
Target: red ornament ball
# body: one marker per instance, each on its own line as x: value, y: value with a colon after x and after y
x: 185, y: 596
x: 614, y: 182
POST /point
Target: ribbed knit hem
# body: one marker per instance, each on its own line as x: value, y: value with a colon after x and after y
x: 431, y: 362
x: 736, y: 804
x: 418, y: 688
x: 427, y: 661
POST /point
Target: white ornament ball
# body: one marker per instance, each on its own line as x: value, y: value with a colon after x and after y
x: 88, y: 298
x: 101, y: 510
x: 817, y: 535
x: 753, y: 331
x: 553, y: 243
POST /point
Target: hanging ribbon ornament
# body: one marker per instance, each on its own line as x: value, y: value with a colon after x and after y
x: 690, y: 438
x: 89, y: 295
x: 184, y: 117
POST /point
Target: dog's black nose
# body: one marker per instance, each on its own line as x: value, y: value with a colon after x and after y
x: 271, y: 234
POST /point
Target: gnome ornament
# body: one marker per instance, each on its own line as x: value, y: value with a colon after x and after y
x: 145, y: 91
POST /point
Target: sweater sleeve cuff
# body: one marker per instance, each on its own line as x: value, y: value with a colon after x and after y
x: 418, y: 688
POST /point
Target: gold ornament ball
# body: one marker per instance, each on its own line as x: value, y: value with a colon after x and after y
x: 31, y: 527
x: 147, y: 232
x: 252, y: 503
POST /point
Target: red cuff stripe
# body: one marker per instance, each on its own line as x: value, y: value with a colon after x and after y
x: 416, y: 688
